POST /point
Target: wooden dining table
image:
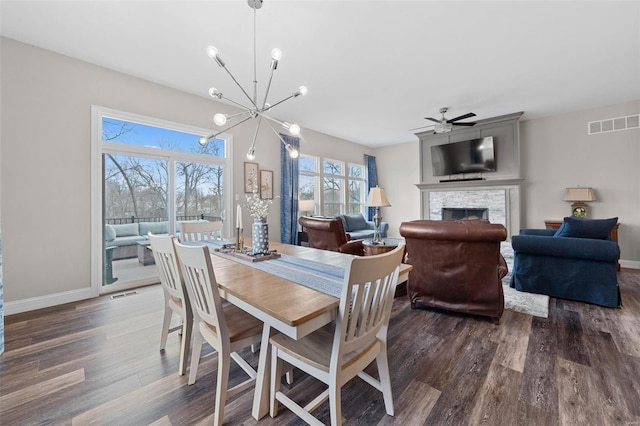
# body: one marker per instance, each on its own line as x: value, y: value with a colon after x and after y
x: 282, y: 305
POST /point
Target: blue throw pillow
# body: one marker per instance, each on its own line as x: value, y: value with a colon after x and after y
x: 579, y: 227
x: 355, y: 222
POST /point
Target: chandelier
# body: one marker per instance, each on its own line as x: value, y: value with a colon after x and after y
x: 255, y: 110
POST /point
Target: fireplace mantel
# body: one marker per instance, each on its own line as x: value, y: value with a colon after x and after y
x: 469, y: 184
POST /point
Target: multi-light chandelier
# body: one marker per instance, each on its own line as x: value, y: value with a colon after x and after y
x: 255, y: 110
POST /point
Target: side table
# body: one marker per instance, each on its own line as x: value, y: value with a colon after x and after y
x: 389, y: 244
x: 145, y: 255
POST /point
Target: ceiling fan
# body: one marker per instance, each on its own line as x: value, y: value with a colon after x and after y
x: 445, y: 126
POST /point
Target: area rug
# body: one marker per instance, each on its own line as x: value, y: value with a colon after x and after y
x: 520, y: 301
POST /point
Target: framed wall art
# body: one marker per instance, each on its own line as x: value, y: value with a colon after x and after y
x: 250, y: 176
x: 266, y: 184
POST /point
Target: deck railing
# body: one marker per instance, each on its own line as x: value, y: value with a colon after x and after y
x: 134, y: 219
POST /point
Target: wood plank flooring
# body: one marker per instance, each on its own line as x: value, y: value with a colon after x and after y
x: 98, y: 362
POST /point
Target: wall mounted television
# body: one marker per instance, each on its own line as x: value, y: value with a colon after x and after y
x: 470, y: 156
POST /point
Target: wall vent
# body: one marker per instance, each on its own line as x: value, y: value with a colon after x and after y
x: 614, y: 124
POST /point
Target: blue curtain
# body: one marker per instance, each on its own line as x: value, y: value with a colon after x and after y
x: 289, y: 192
x: 371, y: 180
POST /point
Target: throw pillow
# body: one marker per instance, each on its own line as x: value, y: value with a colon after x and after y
x: 109, y: 233
x: 126, y: 230
x: 355, y: 222
x: 579, y: 227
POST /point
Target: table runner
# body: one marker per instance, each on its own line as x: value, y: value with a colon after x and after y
x: 318, y: 276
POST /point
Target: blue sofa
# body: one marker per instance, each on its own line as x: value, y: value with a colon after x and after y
x: 359, y: 228
x: 568, y: 265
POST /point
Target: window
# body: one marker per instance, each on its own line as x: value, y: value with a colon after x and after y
x: 342, y: 187
x: 356, y: 197
x: 308, y: 184
x: 154, y: 174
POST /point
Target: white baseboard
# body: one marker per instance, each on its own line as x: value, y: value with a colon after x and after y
x: 47, y: 301
x: 631, y: 264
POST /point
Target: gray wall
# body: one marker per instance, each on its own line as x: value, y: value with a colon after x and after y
x: 45, y: 165
x: 557, y: 153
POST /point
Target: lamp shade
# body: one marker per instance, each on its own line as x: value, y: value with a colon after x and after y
x: 377, y: 198
x: 306, y: 205
x: 579, y: 194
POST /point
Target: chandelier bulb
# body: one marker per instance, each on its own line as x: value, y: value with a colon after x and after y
x: 212, y: 52
x: 293, y: 153
x: 215, y: 93
x: 220, y: 119
x: 251, y: 154
x: 294, y: 129
x: 276, y: 54
x: 203, y: 141
x: 303, y: 90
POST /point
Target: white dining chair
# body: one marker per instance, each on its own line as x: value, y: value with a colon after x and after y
x: 226, y: 328
x: 340, y: 351
x: 175, y: 298
x: 198, y: 231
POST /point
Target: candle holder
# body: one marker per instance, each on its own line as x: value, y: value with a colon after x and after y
x: 239, y: 239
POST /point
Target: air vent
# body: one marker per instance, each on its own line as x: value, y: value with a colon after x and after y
x: 614, y: 124
x: 125, y: 294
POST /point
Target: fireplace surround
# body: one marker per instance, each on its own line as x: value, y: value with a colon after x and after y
x: 501, y: 199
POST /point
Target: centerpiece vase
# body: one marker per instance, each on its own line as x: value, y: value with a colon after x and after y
x: 260, y: 236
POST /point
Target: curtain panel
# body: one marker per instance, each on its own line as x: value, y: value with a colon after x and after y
x: 289, y: 192
x: 371, y: 180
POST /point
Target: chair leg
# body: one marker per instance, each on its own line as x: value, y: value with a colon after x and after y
x: 195, y: 355
x: 166, y: 322
x: 187, y: 327
x: 335, y: 407
x: 224, y: 361
x: 385, y: 379
x: 289, y: 375
x: 276, y: 372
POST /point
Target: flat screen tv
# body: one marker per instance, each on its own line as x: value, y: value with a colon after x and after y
x: 471, y: 156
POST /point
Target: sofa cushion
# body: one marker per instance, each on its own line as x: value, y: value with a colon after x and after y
x: 579, y: 227
x: 126, y: 241
x: 355, y: 222
x: 126, y: 230
x: 109, y: 233
x: 154, y: 227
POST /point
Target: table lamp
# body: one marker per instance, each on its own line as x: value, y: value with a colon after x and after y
x: 306, y: 206
x: 377, y: 198
x: 578, y: 196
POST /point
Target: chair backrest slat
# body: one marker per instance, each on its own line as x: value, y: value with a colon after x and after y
x: 365, y: 303
x: 201, y: 285
x: 198, y: 231
x: 167, y: 264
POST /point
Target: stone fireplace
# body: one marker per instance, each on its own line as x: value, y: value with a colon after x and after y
x: 497, y: 201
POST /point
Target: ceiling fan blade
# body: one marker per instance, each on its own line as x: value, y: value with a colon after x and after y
x: 432, y: 119
x: 464, y: 124
x: 462, y: 117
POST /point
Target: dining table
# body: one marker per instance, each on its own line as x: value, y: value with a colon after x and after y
x: 283, y: 305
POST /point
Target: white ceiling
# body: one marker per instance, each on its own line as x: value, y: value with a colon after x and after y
x: 374, y: 69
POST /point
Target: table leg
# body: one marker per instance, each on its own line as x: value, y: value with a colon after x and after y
x: 263, y: 380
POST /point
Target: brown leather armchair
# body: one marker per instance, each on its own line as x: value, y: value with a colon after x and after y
x: 328, y: 234
x: 457, y: 265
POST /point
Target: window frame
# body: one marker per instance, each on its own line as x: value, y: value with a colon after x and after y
x: 99, y: 148
x: 319, y: 174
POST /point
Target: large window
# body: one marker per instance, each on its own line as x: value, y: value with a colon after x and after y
x: 334, y: 186
x: 154, y: 174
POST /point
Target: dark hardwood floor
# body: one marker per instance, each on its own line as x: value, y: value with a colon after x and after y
x: 97, y: 362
